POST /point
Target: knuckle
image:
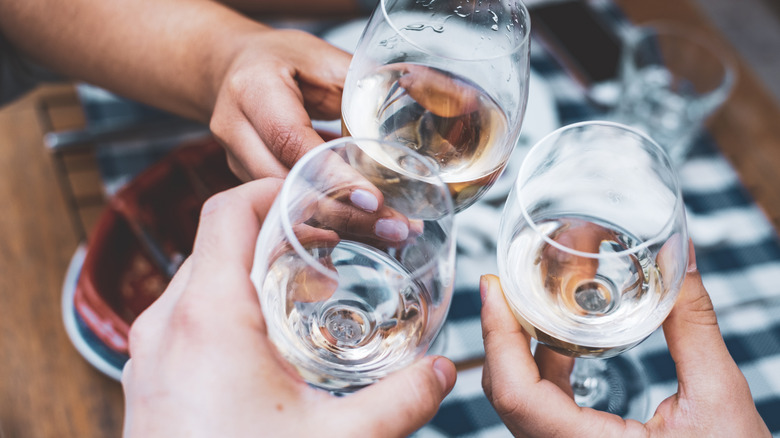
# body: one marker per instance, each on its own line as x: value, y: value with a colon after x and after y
x: 286, y: 143
x: 140, y: 335
x: 128, y: 375
x: 216, y: 202
x: 490, y: 339
x: 187, y: 319
x: 348, y: 220
x: 218, y: 128
x: 487, y: 385
x: 238, y: 82
x: 507, y: 404
x: 237, y: 169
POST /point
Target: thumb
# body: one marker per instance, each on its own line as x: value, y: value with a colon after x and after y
x: 404, y: 401
x: 693, y: 336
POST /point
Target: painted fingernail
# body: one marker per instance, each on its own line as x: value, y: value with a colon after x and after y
x: 364, y: 199
x: 391, y: 229
x: 483, y: 287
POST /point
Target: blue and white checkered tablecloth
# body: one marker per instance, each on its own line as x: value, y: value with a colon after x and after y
x: 738, y: 254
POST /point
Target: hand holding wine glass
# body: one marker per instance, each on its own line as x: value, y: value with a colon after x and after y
x: 351, y: 295
x: 202, y: 364
x: 534, y: 398
x: 592, y: 253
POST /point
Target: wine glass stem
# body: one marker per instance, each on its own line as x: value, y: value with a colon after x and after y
x: 588, y: 382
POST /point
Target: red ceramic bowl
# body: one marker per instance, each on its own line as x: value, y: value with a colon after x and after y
x: 145, y: 232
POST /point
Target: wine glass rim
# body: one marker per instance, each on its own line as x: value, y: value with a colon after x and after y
x: 676, y: 30
x: 519, y: 46
x: 284, y: 199
x: 659, y: 235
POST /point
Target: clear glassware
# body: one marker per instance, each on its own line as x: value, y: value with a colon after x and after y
x: 447, y: 78
x: 352, y: 294
x: 673, y: 80
x: 592, y: 252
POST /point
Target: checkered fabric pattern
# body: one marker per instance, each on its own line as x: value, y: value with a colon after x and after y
x: 738, y: 254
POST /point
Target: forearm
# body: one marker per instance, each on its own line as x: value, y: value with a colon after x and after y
x: 167, y: 53
x: 304, y: 8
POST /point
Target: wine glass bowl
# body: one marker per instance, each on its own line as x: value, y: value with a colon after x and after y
x: 593, y: 244
x: 447, y: 79
x: 592, y: 252
x: 351, y: 294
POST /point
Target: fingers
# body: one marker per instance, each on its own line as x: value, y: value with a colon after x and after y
x: 248, y: 156
x: 555, y: 368
x: 321, y: 70
x: 404, y: 401
x: 440, y: 94
x: 507, y: 346
x: 528, y: 405
x: 224, y: 246
x: 296, y: 86
x: 693, y: 336
x: 385, y: 224
x: 264, y: 107
x: 337, y: 177
x: 153, y: 320
x: 287, y: 134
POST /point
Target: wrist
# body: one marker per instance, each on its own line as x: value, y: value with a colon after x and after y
x: 218, y: 49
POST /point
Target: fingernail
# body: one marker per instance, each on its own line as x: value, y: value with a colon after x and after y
x: 691, y: 257
x: 364, y: 199
x: 391, y: 229
x: 445, y: 373
x: 483, y: 287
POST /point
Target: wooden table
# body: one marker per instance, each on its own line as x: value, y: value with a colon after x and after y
x: 48, y: 390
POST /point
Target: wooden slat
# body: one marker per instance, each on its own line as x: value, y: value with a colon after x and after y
x: 46, y: 388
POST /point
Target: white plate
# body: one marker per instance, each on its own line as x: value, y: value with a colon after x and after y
x: 69, y: 318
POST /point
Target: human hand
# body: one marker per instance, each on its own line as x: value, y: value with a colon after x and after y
x: 202, y: 365
x: 276, y: 81
x: 533, y: 397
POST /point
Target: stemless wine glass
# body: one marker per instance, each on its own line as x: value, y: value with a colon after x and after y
x: 349, y: 294
x: 449, y: 79
x: 592, y: 251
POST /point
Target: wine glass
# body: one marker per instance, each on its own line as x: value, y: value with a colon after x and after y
x: 449, y: 79
x: 673, y: 80
x: 592, y: 252
x: 352, y: 294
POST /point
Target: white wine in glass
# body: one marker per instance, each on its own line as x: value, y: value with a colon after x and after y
x: 350, y: 295
x: 593, y: 243
x: 447, y: 79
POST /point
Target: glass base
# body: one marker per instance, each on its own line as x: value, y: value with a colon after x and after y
x: 617, y: 385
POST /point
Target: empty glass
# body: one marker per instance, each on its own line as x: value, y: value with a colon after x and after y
x: 673, y: 79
